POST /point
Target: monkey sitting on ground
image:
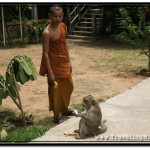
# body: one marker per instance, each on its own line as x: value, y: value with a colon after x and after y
x: 91, y: 120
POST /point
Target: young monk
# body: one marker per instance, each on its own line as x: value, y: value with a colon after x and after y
x: 56, y: 65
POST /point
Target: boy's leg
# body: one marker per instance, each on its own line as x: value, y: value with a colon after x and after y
x: 52, y: 105
x: 59, y: 98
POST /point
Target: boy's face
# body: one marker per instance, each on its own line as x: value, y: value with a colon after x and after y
x: 56, y: 16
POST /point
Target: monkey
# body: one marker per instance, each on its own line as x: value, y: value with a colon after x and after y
x: 91, y: 120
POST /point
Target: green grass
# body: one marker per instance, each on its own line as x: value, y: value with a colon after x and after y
x: 120, y: 61
x: 79, y: 107
x: 22, y: 135
x: 26, y: 134
x: 8, y: 112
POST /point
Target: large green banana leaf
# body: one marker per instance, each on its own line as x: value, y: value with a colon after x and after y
x: 24, y: 70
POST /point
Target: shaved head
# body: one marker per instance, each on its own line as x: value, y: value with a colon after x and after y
x: 55, y: 8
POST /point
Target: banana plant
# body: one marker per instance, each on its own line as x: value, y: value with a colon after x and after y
x: 20, y: 69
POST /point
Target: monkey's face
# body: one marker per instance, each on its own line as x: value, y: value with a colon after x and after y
x: 88, y: 101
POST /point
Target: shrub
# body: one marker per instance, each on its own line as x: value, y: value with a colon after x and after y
x: 34, y: 30
x: 136, y: 29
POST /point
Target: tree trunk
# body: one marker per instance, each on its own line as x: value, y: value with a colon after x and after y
x: 19, y: 99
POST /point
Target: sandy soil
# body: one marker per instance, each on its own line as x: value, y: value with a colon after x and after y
x: 88, y: 79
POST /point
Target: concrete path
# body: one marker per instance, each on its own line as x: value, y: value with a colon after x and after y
x: 127, y: 115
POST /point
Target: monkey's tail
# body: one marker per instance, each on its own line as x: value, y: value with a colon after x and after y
x: 102, y: 129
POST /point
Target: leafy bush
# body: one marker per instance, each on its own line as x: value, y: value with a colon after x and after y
x: 134, y: 33
x: 34, y: 29
x: 136, y: 30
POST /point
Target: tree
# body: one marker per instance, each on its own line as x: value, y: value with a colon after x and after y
x: 20, y: 69
x: 136, y: 28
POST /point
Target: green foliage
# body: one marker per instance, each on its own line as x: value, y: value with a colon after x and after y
x: 26, y: 134
x: 31, y: 28
x: 24, y: 70
x: 14, y: 11
x: 136, y: 31
x: 21, y: 134
x: 41, y: 27
x: 11, y: 14
x: 8, y: 112
x: 34, y: 29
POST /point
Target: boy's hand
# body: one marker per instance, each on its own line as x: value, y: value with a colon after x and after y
x: 51, y: 79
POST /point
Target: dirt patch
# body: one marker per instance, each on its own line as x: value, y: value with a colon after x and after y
x: 92, y: 74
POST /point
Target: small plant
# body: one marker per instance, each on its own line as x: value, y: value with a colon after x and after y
x: 20, y: 69
x: 34, y: 29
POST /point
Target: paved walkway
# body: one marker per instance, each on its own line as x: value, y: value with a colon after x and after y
x: 127, y: 115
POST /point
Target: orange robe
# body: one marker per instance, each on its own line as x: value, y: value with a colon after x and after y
x: 58, y: 56
x: 59, y: 98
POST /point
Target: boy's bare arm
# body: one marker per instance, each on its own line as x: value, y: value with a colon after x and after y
x: 46, y: 40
